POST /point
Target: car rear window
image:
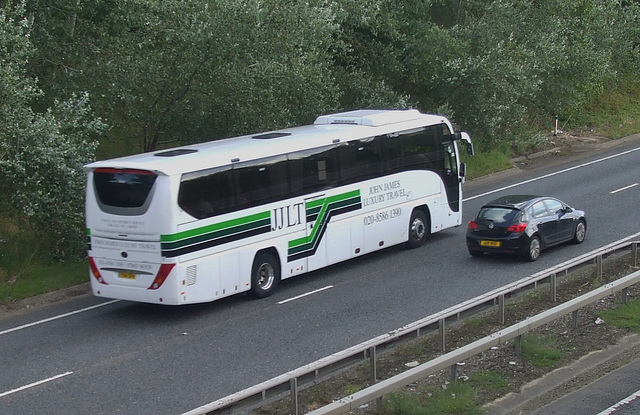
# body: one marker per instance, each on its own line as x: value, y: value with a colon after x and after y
x: 498, y: 214
x: 123, y: 188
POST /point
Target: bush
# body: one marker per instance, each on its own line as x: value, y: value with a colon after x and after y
x: 42, y: 154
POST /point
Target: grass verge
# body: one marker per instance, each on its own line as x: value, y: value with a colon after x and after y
x: 37, y: 279
x: 452, y: 398
x: 626, y: 316
x: 615, y: 113
x: 541, y: 351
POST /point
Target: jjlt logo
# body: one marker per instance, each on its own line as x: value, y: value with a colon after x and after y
x: 287, y: 216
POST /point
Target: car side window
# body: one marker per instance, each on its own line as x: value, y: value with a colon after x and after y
x: 554, y: 206
x: 539, y: 210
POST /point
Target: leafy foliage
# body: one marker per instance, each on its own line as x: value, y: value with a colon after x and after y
x: 496, y: 66
x: 41, y: 154
x: 169, y: 72
x: 47, y: 175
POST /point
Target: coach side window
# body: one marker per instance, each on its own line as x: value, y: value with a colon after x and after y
x: 359, y: 160
x: 390, y: 149
x: 207, y: 193
x: 419, y: 149
x: 312, y: 170
x: 251, y: 185
x: 260, y: 181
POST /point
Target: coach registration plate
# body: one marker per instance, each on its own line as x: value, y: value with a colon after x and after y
x: 490, y: 243
x: 128, y: 275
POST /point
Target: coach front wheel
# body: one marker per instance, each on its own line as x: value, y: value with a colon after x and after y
x: 418, y: 229
x: 265, y: 275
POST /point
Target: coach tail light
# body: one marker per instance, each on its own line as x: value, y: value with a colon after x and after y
x: 95, y: 271
x: 163, y: 273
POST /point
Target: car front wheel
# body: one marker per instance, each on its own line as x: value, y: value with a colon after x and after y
x: 580, y: 233
x: 533, y: 251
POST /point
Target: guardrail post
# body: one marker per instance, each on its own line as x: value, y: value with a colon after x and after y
x: 599, y: 267
x: 293, y: 387
x: 574, y: 319
x: 501, y: 311
x: 454, y: 372
x: 625, y: 294
x: 519, y: 346
x: 441, y: 330
x: 374, y: 374
x: 372, y: 364
x: 634, y: 253
x: 553, y: 282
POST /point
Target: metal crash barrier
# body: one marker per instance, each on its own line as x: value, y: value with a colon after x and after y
x: 291, y: 382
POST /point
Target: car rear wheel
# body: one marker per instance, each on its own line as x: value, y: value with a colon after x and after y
x: 533, y: 251
x: 265, y: 275
x: 580, y: 233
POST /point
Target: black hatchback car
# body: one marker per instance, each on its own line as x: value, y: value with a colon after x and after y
x: 524, y: 225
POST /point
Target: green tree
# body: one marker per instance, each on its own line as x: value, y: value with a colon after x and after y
x: 170, y: 71
x: 497, y: 66
x: 41, y: 154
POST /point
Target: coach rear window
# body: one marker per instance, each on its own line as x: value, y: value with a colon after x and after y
x: 123, y: 188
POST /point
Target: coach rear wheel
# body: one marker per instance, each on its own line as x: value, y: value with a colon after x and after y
x: 418, y: 229
x: 265, y: 275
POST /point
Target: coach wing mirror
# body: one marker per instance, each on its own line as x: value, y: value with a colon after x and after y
x: 464, y: 137
x: 470, y: 150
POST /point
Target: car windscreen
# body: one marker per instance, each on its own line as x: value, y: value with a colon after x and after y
x: 497, y: 214
x: 123, y: 188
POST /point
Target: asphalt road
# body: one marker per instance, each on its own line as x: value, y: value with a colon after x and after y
x: 616, y: 393
x: 122, y: 357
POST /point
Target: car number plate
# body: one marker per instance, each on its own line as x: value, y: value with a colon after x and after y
x: 128, y: 275
x: 490, y: 243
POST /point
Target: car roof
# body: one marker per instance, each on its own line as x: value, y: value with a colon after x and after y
x: 515, y: 201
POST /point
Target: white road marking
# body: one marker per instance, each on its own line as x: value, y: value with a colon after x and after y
x: 305, y: 294
x: 46, y: 320
x: 606, y: 412
x: 31, y: 385
x: 553, y: 174
x: 625, y: 401
x: 624, y: 188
